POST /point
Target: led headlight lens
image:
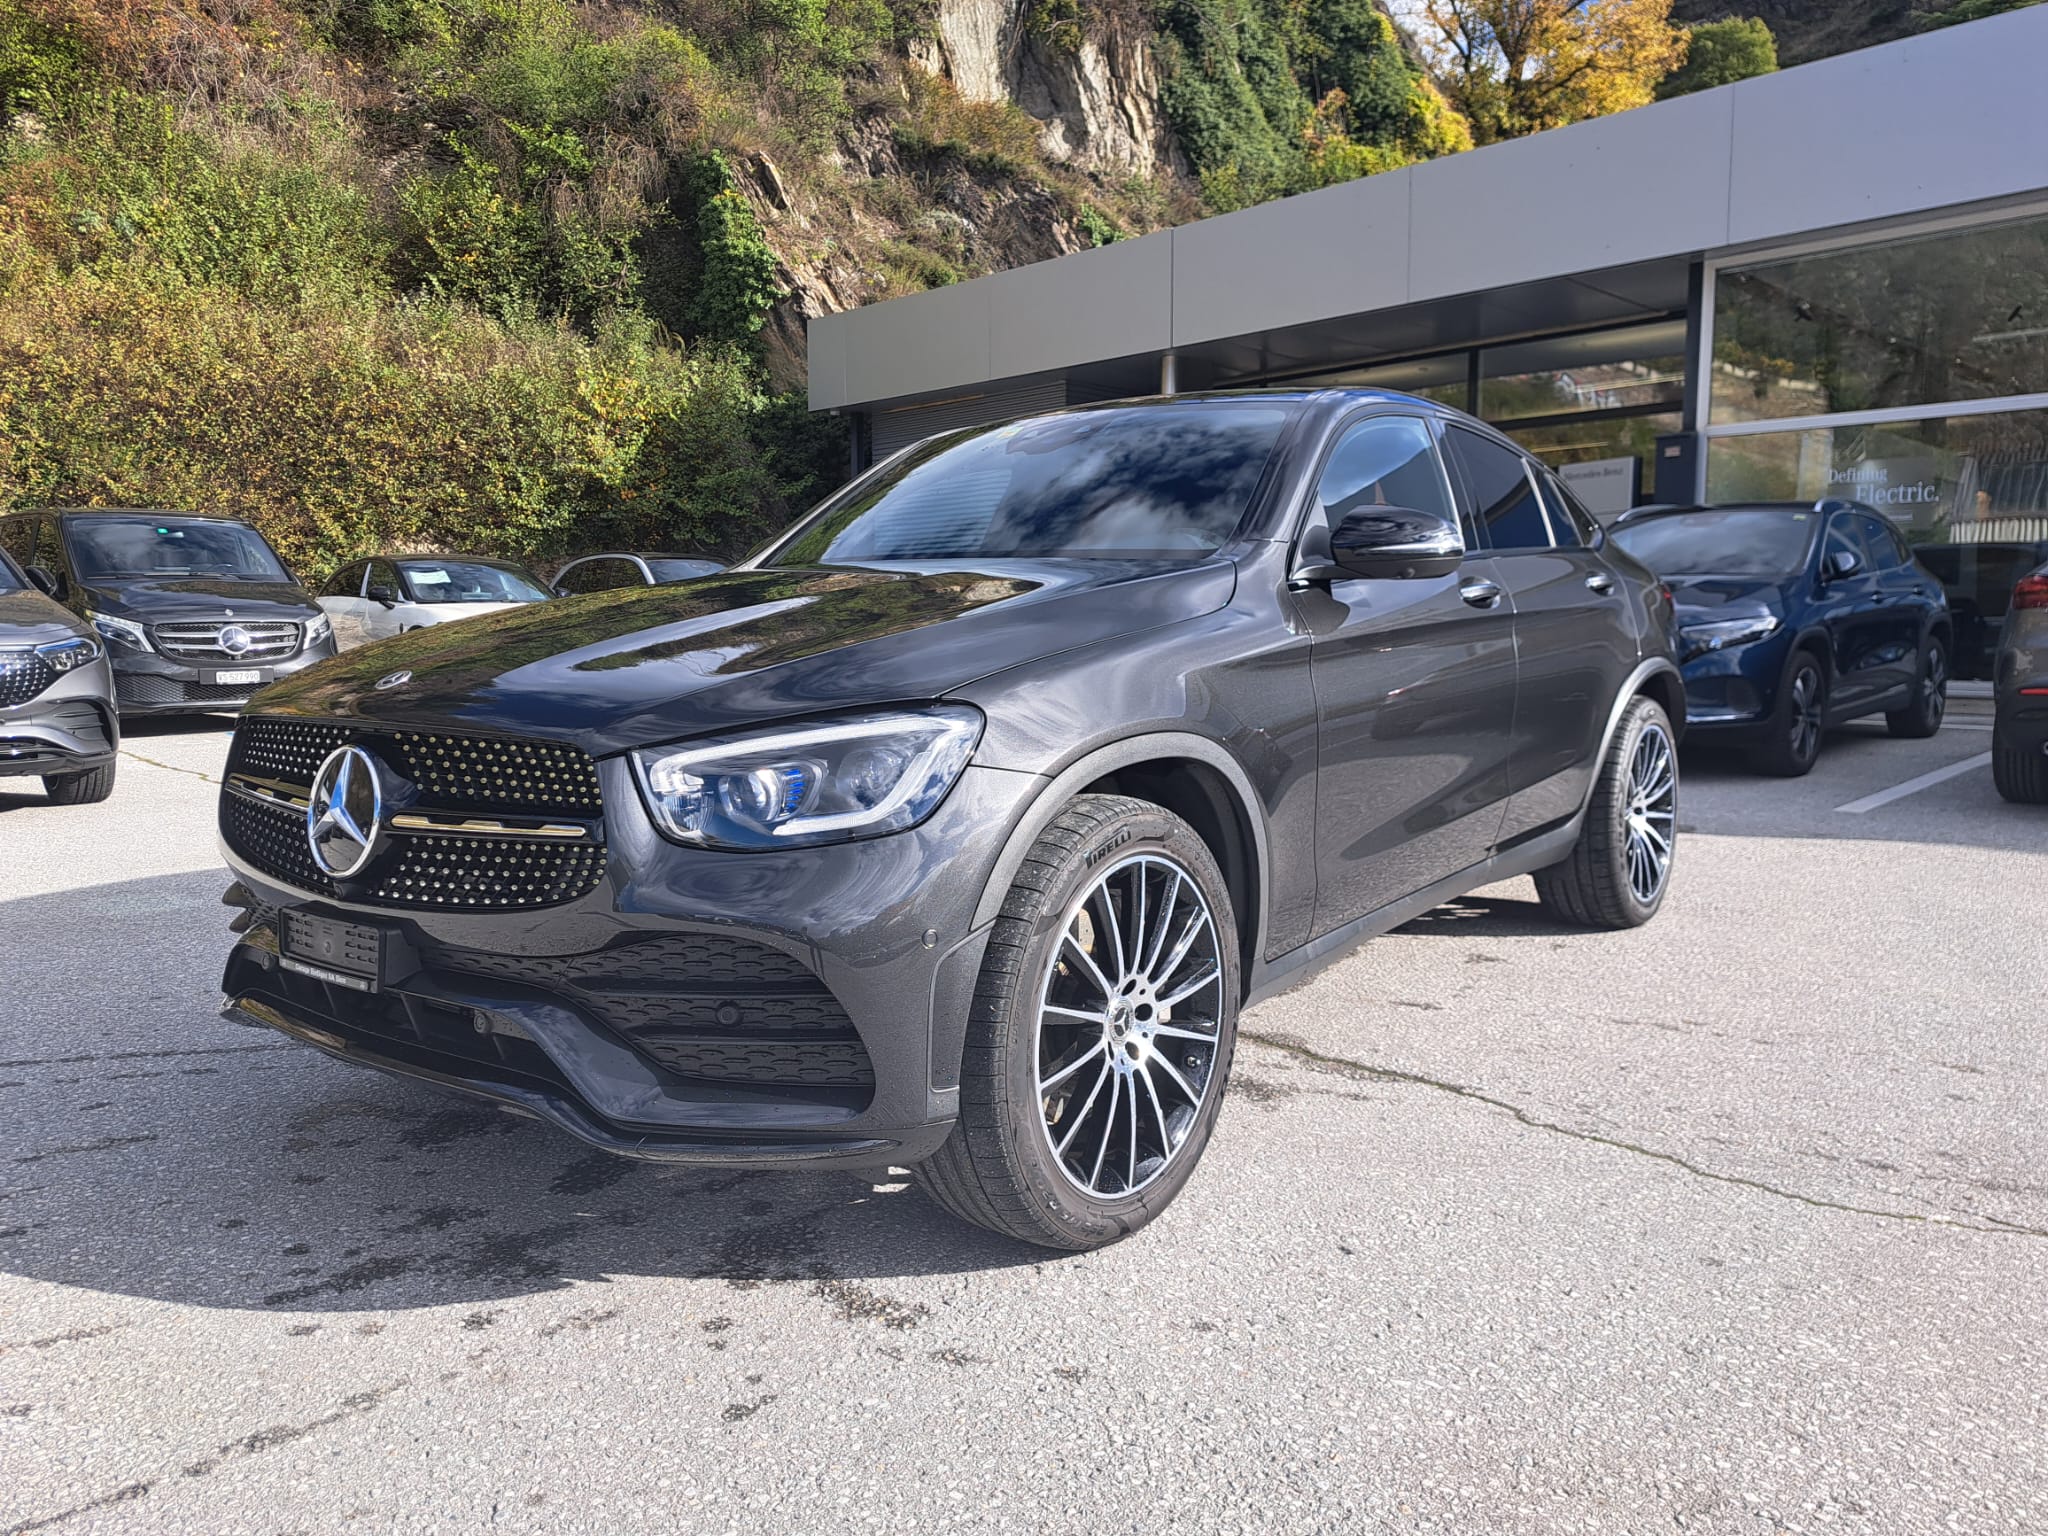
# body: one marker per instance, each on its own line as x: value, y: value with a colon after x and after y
x: 827, y: 782
x: 123, y: 631
x: 317, y: 630
x: 69, y: 655
x: 1723, y: 633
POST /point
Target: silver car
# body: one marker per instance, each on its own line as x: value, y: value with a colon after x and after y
x: 374, y: 599
x: 2019, y: 741
x: 57, y: 715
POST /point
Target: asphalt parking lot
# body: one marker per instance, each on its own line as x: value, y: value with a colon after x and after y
x: 1736, y: 1223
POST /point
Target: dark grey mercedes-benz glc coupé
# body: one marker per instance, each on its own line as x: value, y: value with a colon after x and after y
x: 954, y: 828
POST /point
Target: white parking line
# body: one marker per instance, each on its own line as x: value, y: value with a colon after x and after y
x: 1914, y: 786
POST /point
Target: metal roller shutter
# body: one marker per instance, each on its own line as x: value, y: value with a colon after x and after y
x: 891, y: 430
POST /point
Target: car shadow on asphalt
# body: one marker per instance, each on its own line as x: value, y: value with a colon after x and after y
x: 1497, y: 917
x: 154, y: 1151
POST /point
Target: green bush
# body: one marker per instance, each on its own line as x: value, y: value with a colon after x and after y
x: 341, y: 430
x: 1720, y: 53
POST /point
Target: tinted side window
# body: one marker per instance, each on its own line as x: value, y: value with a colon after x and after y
x: 346, y: 582
x: 1571, y: 525
x: 1384, y: 461
x: 1842, y: 539
x: 1503, y: 496
x: 1881, y: 541
x: 602, y: 576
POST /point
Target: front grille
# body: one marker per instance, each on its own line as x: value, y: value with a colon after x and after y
x: 459, y: 773
x: 200, y: 640
x: 23, y: 675
x: 151, y: 690
x: 705, y: 1006
x: 508, y: 866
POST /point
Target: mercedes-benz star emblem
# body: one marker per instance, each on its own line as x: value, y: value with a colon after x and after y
x: 234, y: 639
x: 394, y: 679
x: 344, y: 812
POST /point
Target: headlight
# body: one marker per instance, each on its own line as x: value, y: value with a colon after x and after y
x: 827, y: 782
x: 69, y: 655
x: 1722, y: 633
x: 318, y: 629
x: 122, y: 630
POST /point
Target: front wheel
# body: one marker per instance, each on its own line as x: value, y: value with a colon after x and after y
x: 1922, y: 718
x: 1101, y: 1033
x: 1618, y: 871
x: 1791, y: 743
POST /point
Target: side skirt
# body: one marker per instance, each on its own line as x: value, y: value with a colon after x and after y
x: 1290, y: 970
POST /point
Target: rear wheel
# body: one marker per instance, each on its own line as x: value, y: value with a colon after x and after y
x: 1619, y: 869
x: 1101, y: 1035
x: 87, y: 788
x: 2021, y: 776
x: 1922, y: 718
x: 1792, y: 742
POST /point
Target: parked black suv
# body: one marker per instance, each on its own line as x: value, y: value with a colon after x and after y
x: 955, y: 827
x: 197, y: 612
x: 57, y: 718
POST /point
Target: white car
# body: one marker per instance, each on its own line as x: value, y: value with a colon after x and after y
x: 371, y: 599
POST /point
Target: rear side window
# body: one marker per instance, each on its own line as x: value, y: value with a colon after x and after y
x: 1384, y: 461
x: 1503, y: 495
x: 1571, y: 525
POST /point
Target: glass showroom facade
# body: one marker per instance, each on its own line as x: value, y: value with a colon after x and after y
x: 1910, y: 373
x: 1590, y: 399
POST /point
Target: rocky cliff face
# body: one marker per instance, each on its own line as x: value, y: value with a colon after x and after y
x: 1098, y: 99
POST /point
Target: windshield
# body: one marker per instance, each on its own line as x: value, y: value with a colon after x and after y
x: 1160, y: 482
x: 104, y: 548
x: 9, y: 580
x: 468, y: 581
x: 1721, y: 543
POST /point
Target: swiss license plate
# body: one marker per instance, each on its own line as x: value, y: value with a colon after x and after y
x: 244, y: 675
x: 332, y: 949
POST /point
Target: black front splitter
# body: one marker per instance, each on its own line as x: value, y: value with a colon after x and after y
x: 519, y: 1097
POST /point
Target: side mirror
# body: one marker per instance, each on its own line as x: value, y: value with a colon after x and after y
x: 41, y: 576
x: 1841, y: 563
x: 379, y: 593
x: 560, y: 591
x: 1383, y: 544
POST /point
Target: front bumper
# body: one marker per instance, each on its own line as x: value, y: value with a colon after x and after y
x: 1733, y: 690
x: 70, y: 727
x: 146, y: 683
x: 741, y: 1009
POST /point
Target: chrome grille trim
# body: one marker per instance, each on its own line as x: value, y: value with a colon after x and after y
x: 199, y: 639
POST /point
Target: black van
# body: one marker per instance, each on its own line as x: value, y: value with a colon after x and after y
x: 197, y: 612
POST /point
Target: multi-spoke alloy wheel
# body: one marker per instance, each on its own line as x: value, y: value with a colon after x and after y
x: 1806, y: 713
x: 1127, y: 1025
x: 1620, y: 867
x: 1101, y: 1032
x: 1652, y: 813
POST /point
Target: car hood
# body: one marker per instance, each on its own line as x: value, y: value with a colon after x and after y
x: 29, y: 618
x: 612, y: 670
x: 1702, y: 599
x: 198, y: 597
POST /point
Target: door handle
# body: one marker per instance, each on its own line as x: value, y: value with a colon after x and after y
x: 1600, y: 581
x: 1480, y: 594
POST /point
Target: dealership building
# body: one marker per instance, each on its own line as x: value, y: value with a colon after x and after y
x: 1828, y: 281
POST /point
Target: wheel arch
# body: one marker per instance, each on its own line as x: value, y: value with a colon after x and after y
x: 1192, y: 777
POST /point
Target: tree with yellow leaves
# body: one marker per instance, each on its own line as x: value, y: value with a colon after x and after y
x: 1518, y: 66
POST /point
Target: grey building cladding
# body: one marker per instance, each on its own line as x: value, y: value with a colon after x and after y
x: 1618, y: 222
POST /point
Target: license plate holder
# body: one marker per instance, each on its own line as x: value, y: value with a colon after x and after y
x: 237, y: 676
x: 360, y: 956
